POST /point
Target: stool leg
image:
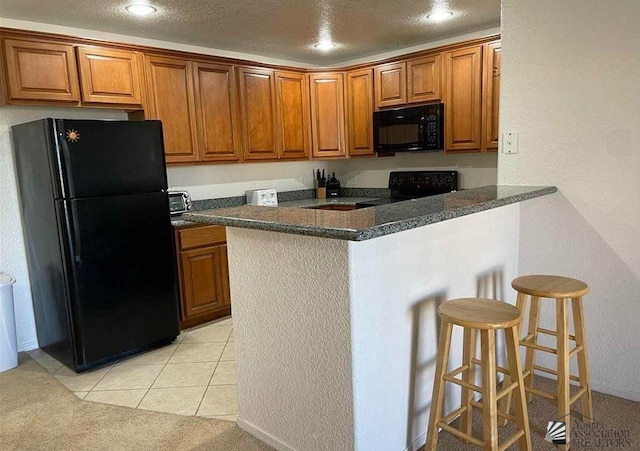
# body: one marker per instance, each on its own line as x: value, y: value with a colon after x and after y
x: 530, y: 356
x: 437, y: 397
x: 562, y: 345
x: 520, y: 406
x: 583, y: 362
x: 505, y: 403
x: 489, y: 405
x: 468, y: 353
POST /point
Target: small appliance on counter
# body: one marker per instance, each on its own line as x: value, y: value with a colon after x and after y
x: 179, y: 202
x: 333, y: 186
x: 263, y: 197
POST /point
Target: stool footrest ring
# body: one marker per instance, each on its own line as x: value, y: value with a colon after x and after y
x: 478, y: 405
x: 511, y: 440
x: 581, y: 391
x: 527, y: 342
x: 449, y: 378
x: 499, y: 369
x: 544, y: 369
x: 461, y: 435
x: 544, y: 394
x: 553, y: 332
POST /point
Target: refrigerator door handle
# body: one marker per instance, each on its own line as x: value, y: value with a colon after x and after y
x: 75, y: 243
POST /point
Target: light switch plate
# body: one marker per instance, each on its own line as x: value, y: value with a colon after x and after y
x: 510, y: 142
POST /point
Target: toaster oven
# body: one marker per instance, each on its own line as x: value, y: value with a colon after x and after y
x: 179, y: 202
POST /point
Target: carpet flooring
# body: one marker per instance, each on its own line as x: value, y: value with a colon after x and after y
x: 616, y: 424
x: 39, y: 413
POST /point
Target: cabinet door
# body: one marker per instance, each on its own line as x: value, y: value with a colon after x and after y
x: 491, y: 96
x: 423, y: 79
x: 327, y: 115
x: 110, y: 76
x: 225, y: 291
x: 41, y: 71
x: 258, y: 111
x: 391, y: 84
x: 360, y: 112
x: 216, y: 112
x: 201, y: 281
x: 463, y: 78
x: 292, y: 101
x: 171, y: 99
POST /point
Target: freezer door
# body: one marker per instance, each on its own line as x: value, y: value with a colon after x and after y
x: 106, y: 158
x: 121, y: 263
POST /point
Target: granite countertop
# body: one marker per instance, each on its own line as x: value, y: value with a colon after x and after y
x: 180, y: 221
x: 368, y: 223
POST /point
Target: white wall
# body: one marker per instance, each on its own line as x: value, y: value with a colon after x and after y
x: 396, y: 282
x: 292, y: 330
x: 570, y: 88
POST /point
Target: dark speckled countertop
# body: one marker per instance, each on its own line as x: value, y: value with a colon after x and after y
x: 368, y: 223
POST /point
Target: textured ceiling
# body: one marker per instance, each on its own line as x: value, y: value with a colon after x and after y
x: 285, y: 29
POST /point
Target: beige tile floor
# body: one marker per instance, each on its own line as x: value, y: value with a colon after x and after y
x: 195, y: 375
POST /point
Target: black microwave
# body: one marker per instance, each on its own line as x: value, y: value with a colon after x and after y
x: 415, y: 129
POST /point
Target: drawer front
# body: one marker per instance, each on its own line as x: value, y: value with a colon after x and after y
x: 201, y: 236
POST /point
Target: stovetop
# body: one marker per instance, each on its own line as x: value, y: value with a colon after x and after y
x: 407, y: 185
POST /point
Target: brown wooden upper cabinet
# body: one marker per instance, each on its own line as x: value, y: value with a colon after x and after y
x: 414, y: 81
x: 217, y: 118
x: 171, y: 99
x: 491, y: 96
x: 360, y: 107
x: 462, y: 98
x: 327, y: 114
x: 423, y: 79
x: 292, y: 106
x: 391, y: 84
x: 110, y: 76
x: 40, y: 72
x: 258, y: 113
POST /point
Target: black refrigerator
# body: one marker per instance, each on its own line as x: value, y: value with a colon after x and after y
x: 98, y: 237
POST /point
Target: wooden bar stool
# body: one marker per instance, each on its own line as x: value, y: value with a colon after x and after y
x: 486, y: 315
x: 561, y: 289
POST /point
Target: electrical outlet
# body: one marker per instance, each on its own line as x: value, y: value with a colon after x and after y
x: 510, y: 142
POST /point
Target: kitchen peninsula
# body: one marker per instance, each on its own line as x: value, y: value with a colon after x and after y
x: 334, y: 311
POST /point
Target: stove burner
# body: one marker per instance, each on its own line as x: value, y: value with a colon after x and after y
x: 407, y: 185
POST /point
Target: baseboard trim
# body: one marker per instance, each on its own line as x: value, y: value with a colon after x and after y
x: 601, y: 388
x: 617, y: 392
x: 262, y: 435
x: 28, y: 346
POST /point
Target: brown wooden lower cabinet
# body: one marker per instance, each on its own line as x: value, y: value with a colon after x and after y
x: 203, y: 273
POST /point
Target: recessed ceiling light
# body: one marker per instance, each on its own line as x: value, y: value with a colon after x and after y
x: 325, y: 46
x: 440, y: 15
x: 141, y: 10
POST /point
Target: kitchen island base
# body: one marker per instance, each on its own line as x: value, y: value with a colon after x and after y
x: 336, y: 340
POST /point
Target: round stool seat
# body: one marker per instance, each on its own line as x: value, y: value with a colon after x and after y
x: 547, y: 286
x: 479, y: 313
